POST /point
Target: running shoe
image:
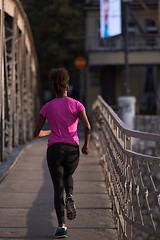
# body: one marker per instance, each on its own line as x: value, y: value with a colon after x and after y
x: 61, y: 232
x: 70, y: 207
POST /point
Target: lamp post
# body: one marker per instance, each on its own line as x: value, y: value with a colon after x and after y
x: 125, y: 31
x: 126, y: 102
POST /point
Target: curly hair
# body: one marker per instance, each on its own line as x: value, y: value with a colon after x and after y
x: 59, y: 78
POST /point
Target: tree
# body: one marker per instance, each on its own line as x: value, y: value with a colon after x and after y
x: 58, y: 31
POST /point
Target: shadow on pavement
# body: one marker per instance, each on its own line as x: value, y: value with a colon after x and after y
x: 40, y: 216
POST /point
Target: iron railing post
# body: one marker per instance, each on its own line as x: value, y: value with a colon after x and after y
x: 128, y: 187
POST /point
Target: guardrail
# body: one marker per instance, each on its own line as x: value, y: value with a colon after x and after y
x: 18, y: 77
x: 133, y: 179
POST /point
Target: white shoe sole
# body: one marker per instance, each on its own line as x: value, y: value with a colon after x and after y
x: 58, y: 237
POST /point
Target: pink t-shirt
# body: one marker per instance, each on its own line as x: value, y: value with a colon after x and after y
x: 62, y: 115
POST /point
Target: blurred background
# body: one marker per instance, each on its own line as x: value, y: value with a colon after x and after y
x: 66, y: 29
x: 58, y: 29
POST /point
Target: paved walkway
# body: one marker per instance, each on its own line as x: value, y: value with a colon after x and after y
x: 26, y: 200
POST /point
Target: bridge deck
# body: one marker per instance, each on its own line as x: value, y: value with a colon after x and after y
x: 26, y: 200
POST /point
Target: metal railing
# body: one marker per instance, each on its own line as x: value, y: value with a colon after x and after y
x: 133, y: 179
x: 18, y: 77
x: 135, y: 42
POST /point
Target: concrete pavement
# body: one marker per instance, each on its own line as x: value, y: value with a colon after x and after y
x: 26, y: 200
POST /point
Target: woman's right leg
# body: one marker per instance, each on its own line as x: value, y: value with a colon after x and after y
x: 70, y: 164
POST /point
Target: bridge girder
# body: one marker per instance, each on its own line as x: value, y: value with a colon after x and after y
x: 19, y: 100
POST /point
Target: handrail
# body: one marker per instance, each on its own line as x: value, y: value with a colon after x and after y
x: 123, y: 127
x: 132, y: 178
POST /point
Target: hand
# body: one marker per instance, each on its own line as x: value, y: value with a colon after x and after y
x: 44, y: 133
x: 85, y: 150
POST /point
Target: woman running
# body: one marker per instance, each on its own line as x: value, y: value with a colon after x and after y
x: 62, y: 114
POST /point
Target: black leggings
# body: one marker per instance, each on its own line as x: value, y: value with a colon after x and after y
x: 62, y: 161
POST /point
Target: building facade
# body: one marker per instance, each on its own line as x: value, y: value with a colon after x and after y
x: 106, y: 59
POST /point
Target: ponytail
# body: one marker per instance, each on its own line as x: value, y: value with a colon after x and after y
x: 59, y: 78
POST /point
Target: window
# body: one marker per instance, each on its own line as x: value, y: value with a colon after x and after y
x: 151, y: 30
x: 131, y: 34
x: 132, y: 27
x: 151, y: 26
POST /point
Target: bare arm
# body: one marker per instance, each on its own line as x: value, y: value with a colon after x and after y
x: 87, y: 131
x: 38, y: 132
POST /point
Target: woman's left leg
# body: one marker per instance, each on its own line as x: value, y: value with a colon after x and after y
x: 54, y: 158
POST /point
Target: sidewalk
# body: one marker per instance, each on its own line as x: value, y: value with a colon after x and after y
x: 26, y: 200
